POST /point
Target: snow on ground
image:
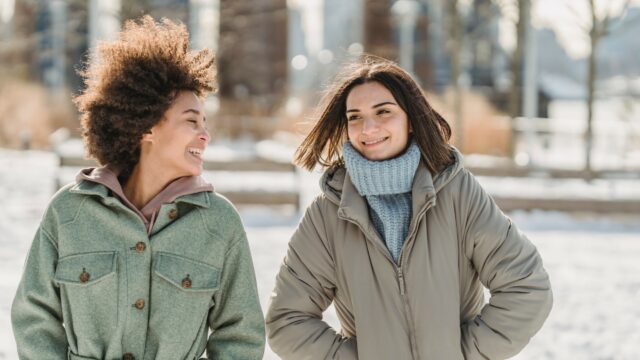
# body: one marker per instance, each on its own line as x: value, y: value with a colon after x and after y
x: 592, y: 262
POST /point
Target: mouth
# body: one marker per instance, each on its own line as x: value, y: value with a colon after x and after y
x: 374, y: 142
x: 195, y: 152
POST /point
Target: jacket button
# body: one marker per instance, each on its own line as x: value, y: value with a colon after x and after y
x: 84, y: 276
x: 128, y: 356
x: 186, y: 282
x: 140, y: 247
x: 139, y: 304
x: 173, y: 214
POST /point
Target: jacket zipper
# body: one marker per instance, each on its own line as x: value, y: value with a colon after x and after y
x: 400, y: 280
x: 400, y: 274
x: 405, y: 298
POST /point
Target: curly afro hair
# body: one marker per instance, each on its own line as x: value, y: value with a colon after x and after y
x: 131, y: 82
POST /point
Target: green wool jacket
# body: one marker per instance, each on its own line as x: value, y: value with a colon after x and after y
x: 97, y: 286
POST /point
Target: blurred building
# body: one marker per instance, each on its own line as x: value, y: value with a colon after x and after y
x: 483, y: 43
x: 298, y: 76
x: 252, y: 56
x: 19, y: 41
x: 373, y: 25
x: 61, y: 30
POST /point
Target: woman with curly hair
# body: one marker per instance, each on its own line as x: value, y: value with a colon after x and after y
x: 139, y: 258
x: 401, y: 240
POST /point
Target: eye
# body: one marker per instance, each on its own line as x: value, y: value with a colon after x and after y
x: 383, y: 111
x: 353, y: 117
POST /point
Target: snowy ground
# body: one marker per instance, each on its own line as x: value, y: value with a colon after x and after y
x: 592, y: 262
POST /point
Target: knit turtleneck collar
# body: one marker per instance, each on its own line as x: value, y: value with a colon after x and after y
x: 393, y: 176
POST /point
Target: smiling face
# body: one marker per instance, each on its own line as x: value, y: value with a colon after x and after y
x: 376, y: 125
x: 176, y: 143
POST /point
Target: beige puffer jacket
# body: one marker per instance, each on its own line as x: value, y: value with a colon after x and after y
x: 430, y: 305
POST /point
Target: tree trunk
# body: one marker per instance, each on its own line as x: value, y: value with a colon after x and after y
x: 591, y: 79
x: 515, y: 98
x: 378, y: 29
x: 595, y: 33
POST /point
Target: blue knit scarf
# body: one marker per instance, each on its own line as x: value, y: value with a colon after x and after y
x: 386, y: 185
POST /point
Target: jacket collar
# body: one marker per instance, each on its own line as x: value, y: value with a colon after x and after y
x: 84, y: 185
x: 339, y: 189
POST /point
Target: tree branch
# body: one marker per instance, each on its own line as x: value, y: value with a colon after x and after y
x: 579, y: 21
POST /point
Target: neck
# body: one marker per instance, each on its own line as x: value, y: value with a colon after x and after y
x: 144, y: 183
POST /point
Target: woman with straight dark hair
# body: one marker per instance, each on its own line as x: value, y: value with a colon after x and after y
x: 402, y: 240
x: 139, y: 258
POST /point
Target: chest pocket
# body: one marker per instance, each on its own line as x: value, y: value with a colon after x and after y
x: 85, y: 269
x: 89, y: 292
x: 186, y: 274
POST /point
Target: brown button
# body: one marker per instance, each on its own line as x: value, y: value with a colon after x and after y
x: 186, y: 282
x: 128, y: 356
x: 173, y: 213
x: 139, y: 304
x: 84, y: 276
x: 140, y: 247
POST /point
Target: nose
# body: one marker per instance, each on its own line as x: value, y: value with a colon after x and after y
x: 369, y: 126
x: 204, y: 135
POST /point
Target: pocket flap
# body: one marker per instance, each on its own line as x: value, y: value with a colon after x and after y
x: 86, y: 268
x: 177, y: 270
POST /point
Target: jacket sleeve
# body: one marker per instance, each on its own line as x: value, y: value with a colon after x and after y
x: 36, y: 313
x: 236, y: 320
x: 304, y: 290
x: 509, y: 265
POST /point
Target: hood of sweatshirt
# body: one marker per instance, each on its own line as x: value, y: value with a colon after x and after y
x: 108, y: 177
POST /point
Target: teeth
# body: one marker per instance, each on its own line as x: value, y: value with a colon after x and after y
x: 373, y: 141
x: 195, y: 151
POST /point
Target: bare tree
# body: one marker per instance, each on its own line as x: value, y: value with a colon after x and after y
x: 515, y: 93
x: 597, y: 27
x: 519, y: 10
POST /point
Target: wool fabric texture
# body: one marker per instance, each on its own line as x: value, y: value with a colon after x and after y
x: 386, y: 185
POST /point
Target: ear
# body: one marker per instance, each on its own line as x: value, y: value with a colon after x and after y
x: 148, y: 136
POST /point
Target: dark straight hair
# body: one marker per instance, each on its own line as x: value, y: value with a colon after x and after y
x: 323, y: 144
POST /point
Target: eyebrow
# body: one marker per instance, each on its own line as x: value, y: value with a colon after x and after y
x: 375, y: 106
x: 204, y: 118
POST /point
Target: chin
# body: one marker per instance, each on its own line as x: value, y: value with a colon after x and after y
x: 194, y: 172
x: 189, y: 172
